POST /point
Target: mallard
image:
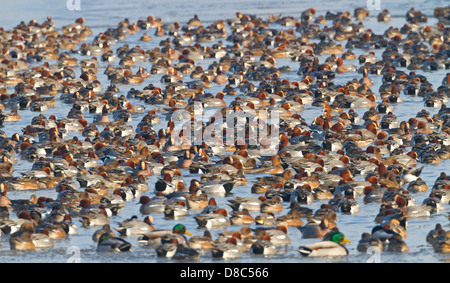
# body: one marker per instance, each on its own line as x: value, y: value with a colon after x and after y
x: 332, y: 247
x: 154, y: 237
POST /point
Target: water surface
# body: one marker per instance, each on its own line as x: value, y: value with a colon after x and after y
x: 100, y: 15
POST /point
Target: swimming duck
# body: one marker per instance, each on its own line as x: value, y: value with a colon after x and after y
x: 218, y: 219
x: 240, y: 203
x: 314, y: 229
x: 369, y: 243
x: 278, y: 234
x: 384, y: 16
x: 4, y: 200
x: 302, y: 195
x: 267, y: 219
x: 242, y: 217
x: 21, y: 241
x: 272, y: 205
x: 396, y: 244
x: 175, y: 209
x: 167, y: 248
x: 99, y: 232
x: 135, y: 226
x: 155, y: 204
x: 203, y: 243
x: 218, y: 187
x: 94, y: 218
x: 154, y: 237
x: 109, y: 243
x: 441, y: 242
x: 226, y: 250
x: 332, y: 247
x: 264, y: 183
x: 348, y: 205
x: 185, y: 253
x: 416, y: 16
x: 263, y: 246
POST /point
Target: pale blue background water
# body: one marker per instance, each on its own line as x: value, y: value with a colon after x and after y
x: 100, y: 15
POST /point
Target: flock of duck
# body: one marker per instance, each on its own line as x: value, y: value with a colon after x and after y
x: 97, y: 162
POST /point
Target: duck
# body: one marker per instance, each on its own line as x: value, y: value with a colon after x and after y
x: 99, y: 232
x: 154, y: 237
x: 108, y: 243
x: 267, y: 219
x: 241, y: 217
x: 333, y: 247
x: 217, y: 187
x: 369, y: 243
x: 167, y: 249
x: 21, y: 241
x: 175, y: 209
x: 263, y: 246
x: 278, y: 234
x: 211, y: 207
x: 203, y: 243
x: 135, y: 226
x: 384, y: 16
x: 185, y: 253
x: 4, y: 200
x: 10, y: 226
x: 434, y: 233
x: 348, y: 205
x: 94, y: 218
x: 271, y: 205
x: 314, y: 229
x: 441, y: 243
x: 265, y: 183
x: 168, y: 184
x: 302, y: 195
x: 383, y: 233
x: 412, y: 210
x: 241, y: 203
x: 397, y: 244
x: 155, y: 204
x: 291, y: 219
x: 214, y: 220
x: 227, y: 250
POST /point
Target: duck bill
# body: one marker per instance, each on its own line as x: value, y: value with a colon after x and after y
x: 345, y: 240
x: 187, y: 233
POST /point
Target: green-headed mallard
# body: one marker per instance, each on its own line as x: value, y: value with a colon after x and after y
x: 332, y: 247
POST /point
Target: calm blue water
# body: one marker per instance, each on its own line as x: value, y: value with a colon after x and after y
x: 100, y: 15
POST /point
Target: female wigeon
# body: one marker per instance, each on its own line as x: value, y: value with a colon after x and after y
x: 242, y: 217
x: 203, y: 243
